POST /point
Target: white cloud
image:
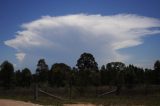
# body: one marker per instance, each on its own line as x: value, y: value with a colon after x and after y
x: 74, y: 34
x: 20, y: 56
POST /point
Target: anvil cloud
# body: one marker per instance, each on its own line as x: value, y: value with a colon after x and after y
x: 73, y: 34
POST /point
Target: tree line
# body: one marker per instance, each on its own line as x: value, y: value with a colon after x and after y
x: 86, y: 73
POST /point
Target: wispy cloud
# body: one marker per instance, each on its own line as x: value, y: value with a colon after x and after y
x: 71, y: 34
x: 20, y: 56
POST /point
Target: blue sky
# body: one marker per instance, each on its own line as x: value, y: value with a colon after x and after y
x: 81, y: 28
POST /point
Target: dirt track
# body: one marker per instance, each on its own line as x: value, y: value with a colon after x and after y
x: 5, y: 102
x: 79, y: 105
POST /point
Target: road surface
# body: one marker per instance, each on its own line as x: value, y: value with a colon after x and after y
x: 7, y: 102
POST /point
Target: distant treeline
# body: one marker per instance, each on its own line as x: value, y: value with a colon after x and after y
x: 86, y: 73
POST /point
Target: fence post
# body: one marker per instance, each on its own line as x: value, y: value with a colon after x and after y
x: 36, y: 87
x: 36, y: 91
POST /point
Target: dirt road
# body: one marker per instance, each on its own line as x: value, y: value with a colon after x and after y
x: 80, y: 105
x: 5, y: 102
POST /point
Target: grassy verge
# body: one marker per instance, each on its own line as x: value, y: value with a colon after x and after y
x: 126, y: 98
x: 105, y: 101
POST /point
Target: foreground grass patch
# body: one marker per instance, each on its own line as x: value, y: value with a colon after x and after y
x: 124, y: 99
x: 105, y: 101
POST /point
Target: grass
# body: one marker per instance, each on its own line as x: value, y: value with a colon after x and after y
x: 125, y: 100
x: 134, y: 97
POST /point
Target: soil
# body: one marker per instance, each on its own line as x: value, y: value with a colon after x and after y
x: 80, y: 105
x: 6, y: 102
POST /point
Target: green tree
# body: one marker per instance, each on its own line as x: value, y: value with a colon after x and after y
x: 18, y: 78
x: 87, y: 61
x: 157, y: 65
x: 149, y: 77
x: 115, y: 68
x: 105, y: 75
x: 87, y: 74
x: 139, y: 72
x: 42, y: 71
x: 156, y: 72
x: 130, y: 77
x: 59, y: 74
x: 7, y: 75
x: 87, y: 67
x: 117, y: 74
x: 26, y: 77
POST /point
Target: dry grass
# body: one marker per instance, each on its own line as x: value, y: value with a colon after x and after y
x: 134, y: 97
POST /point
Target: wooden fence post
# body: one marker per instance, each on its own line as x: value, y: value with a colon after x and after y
x: 36, y: 91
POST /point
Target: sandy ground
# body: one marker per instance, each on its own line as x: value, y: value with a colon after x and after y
x: 5, y: 102
x: 80, y: 105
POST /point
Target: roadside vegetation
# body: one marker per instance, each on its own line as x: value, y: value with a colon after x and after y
x: 112, y: 84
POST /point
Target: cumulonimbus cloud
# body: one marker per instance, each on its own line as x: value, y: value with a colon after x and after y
x: 71, y: 34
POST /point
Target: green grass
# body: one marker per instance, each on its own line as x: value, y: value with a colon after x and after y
x: 135, y: 97
x: 125, y: 100
x: 106, y: 101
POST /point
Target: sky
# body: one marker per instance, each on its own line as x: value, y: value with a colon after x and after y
x: 61, y: 30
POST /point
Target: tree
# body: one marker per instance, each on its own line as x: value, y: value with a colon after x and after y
x: 105, y: 75
x: 42, y: 71
x: 26, y: 77
x: 87, y: 74
x: 156, y: 72
x: 149, y: 77
x: 18, y: 78
x: 7, y: 75
x: 130, y: 76
x: 139, y: 74
x: 87, y: 66
x: 87, y: 61
x: 157, y: 65
x: 117, y: 74
x: 59, y: 74
x: 115, y: 68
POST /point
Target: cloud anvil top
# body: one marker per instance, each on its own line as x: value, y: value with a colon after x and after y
x: 76, y: 31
